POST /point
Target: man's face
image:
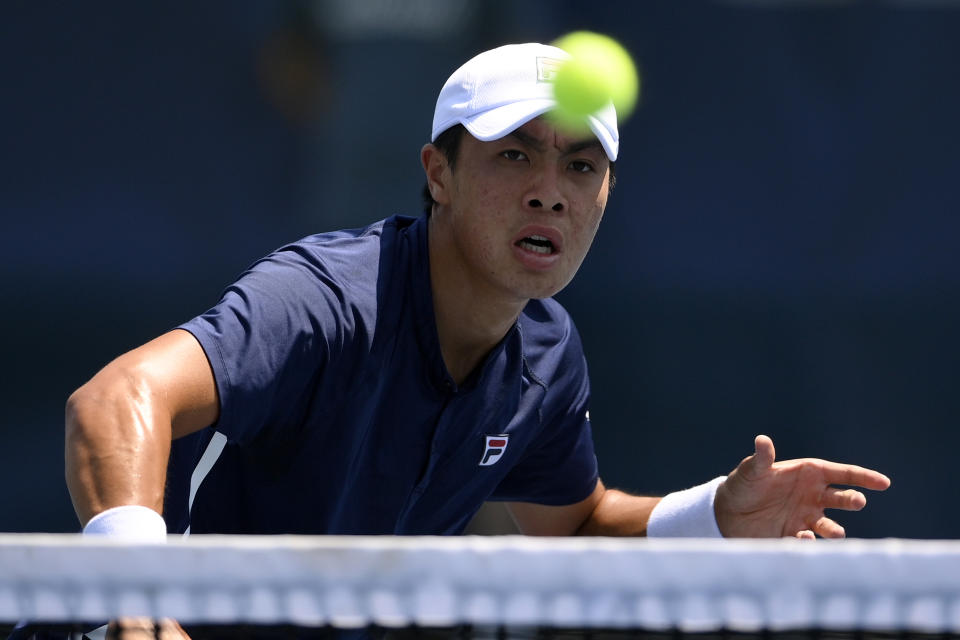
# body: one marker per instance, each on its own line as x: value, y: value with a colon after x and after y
x: 523, y: 210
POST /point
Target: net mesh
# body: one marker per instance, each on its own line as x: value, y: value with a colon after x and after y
x: 488, y: 587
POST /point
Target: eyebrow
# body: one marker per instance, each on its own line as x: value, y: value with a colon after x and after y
x: 537, y: 145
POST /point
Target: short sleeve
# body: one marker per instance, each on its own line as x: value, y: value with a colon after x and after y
x: 269, y: 339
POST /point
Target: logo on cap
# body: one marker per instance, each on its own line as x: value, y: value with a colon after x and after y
x: 547, y: 68
x: 494, y: 449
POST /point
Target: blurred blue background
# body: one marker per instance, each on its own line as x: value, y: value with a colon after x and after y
x: 779, y: 255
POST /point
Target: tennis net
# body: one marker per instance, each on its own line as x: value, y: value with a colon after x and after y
x: 498, y: 587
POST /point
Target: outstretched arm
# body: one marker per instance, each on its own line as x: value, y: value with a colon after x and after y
x: 761, y: 498
x: 119, y: 424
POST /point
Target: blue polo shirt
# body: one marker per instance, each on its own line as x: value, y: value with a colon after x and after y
x: 339, y: 415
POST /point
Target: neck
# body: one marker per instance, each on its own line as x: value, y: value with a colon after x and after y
x: 471, y: 317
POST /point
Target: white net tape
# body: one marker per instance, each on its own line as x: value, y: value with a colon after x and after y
x: 692, y: 585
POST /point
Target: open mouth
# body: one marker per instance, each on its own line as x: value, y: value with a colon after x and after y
x: 536, y: 244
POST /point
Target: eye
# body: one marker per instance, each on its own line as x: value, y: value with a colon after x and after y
x: 581, y: 166
x: 513, y: 154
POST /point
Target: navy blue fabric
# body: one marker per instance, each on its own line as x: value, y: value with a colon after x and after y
x: 341, y: 417
x: 32, y: 631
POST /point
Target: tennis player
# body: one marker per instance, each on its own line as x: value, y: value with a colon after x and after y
x: 390, y: 379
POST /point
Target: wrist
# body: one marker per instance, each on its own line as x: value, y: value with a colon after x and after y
x: 132, y: 522
x: 687, y: 514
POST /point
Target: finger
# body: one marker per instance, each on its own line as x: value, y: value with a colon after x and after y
x: 171, y: 630
x: 132, y: 629
x: 846, y: 499
x: 806, y: 534
x: 851, y: 474
x: 764, y: 451
x: 827, y: 528
x: 762, y: 458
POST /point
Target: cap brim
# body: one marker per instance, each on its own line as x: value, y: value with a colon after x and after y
x: 609, y: 141
x: 495, y: 123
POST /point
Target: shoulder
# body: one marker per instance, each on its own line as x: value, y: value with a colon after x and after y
x: 359, y: 240
x: 327, y: 284
x: 546, y: 324
x: 344, y: 264
x: 552, y: 349
x: 342, y: 250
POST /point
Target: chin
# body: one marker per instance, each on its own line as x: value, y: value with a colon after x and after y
x: 537, y: 285
x: 544, y: 291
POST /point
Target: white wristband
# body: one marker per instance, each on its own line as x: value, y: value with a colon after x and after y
x: 686, y: 514
x: 133, y: 522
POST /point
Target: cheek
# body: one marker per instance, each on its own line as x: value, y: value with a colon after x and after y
x: 477, y: 232
x: 598, y: 217
x: 597, y: 208
x: 492, y: 200
x: 589, y: 222
x: 487, y: 211
x: 474, y: 194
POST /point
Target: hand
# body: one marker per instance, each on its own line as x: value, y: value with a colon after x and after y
x: 766, y: 499
x: 145, y: 629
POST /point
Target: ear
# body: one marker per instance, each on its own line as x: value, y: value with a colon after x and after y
x: 435, y: 166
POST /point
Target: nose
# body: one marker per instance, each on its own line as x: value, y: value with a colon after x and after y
x: 545, y: 193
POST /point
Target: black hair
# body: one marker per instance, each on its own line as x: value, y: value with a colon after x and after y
x: 448, y: 143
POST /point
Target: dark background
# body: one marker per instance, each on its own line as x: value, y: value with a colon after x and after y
x: 778, y: 256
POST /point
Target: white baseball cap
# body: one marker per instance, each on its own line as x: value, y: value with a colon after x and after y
x: 500, y: 90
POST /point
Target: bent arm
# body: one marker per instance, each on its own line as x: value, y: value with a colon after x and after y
x: 119, y: 425
x: 607, y: 512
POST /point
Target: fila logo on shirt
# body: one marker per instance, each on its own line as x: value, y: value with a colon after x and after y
x: 493, y: 451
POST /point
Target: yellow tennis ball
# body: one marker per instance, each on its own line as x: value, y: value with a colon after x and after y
x: 599, y: 71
